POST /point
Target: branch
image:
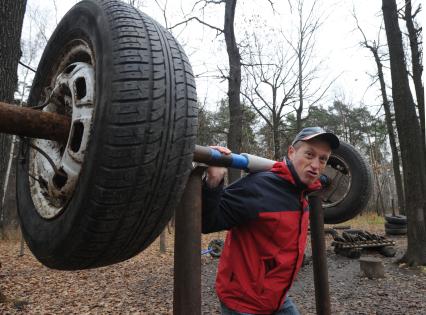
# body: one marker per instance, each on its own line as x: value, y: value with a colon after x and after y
x: 218, y: 30
x: 288, y: 96
x: 272, y: 6
x: 206, y: 2
x: 419, y: 8
x: 56, y: 11
x: 257, y: 109
x: 326, y: 89
x: 28, y: 67
x: 163, y: 9
x: 257, y: 64
x: 224, y: 77
x: 365, y: 43
x: 262, y: 98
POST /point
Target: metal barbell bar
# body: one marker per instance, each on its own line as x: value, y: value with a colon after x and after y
x: 28, y: 122
x: 32, y: 123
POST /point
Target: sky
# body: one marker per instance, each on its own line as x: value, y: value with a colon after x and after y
x: 343, y: 61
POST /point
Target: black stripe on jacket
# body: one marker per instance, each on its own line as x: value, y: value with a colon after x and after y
x: 244, y: 199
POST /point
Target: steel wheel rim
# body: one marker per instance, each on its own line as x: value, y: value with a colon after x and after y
x: 54, y: 168
x: 340, y: 176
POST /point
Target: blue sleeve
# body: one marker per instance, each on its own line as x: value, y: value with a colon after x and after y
x: 223, y: 209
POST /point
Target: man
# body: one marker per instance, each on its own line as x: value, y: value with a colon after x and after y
x: 267, y: 216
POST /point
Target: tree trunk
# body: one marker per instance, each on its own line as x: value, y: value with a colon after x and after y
x: 416, y: 56
x: 234, y: 86
x: 410, y: 138
x: 9, y: 213
x: 277, y: 142
x: 300, y: 84
x: 5, y: 143
x: 11, y: 17
x: 391, y: 134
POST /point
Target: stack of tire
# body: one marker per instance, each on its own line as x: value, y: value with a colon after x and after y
x: 395, y: 224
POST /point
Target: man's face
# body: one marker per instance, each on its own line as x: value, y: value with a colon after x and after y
x: 309, y: 159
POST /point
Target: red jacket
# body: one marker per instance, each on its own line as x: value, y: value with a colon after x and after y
x: 267, y: 217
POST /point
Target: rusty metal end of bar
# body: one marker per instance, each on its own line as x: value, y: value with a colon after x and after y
x: 32, y: 123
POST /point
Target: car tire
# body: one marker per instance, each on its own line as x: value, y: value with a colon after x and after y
x: 400, y: 231
x: 140, y: 144
x: 350, y: 187
x: 392, y: 226
x: 396, y: 219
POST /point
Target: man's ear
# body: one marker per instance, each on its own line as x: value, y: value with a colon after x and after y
x: 290, y: 152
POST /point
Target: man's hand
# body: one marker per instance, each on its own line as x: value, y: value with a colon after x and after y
x: 215, y: 174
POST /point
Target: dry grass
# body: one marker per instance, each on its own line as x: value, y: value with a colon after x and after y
x: 369, y: 221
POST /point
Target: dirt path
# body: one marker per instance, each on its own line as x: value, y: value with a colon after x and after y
x: 144, y: 285
x: 402, y: 291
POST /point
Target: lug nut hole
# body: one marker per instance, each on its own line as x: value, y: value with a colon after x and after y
x: 80, y: 87
x: 60, y: 179
x: 77, y: 136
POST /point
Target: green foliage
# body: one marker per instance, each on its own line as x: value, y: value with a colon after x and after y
x: 356, y: 126
x: 213, y: 127
x: 266, y: 139
x: 206, y: 127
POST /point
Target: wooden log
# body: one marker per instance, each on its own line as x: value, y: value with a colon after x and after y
x: 372, y: 267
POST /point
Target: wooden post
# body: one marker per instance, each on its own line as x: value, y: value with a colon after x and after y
x: 319, y: 258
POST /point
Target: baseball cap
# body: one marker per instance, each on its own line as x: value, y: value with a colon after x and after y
x: 313, y: 132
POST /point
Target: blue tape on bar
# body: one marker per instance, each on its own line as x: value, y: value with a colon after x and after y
x: 215, y: 154
x: 239, y: 161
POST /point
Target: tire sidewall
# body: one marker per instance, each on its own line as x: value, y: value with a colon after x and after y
x: 396, y: 220
x: 360, y: 190
x: 394, y: 226
x: 401, y: 231
x: 86, y: 21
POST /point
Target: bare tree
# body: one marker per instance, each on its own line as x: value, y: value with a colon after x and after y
x: 31, y: 46
x: 12, y: 16
x: 309, y: 21
x: 415, y: 37
x: 374, y: 47
x: 410, y: 138
x: 235, y: 134
x: 271, y: 84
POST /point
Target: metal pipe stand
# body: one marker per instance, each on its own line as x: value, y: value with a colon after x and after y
x: 187, y: 257
x: 319, y: 258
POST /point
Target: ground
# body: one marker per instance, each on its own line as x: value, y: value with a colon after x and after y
x: 144, y: 284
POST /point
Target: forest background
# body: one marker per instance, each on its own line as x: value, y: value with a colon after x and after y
x: 299, y: 63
